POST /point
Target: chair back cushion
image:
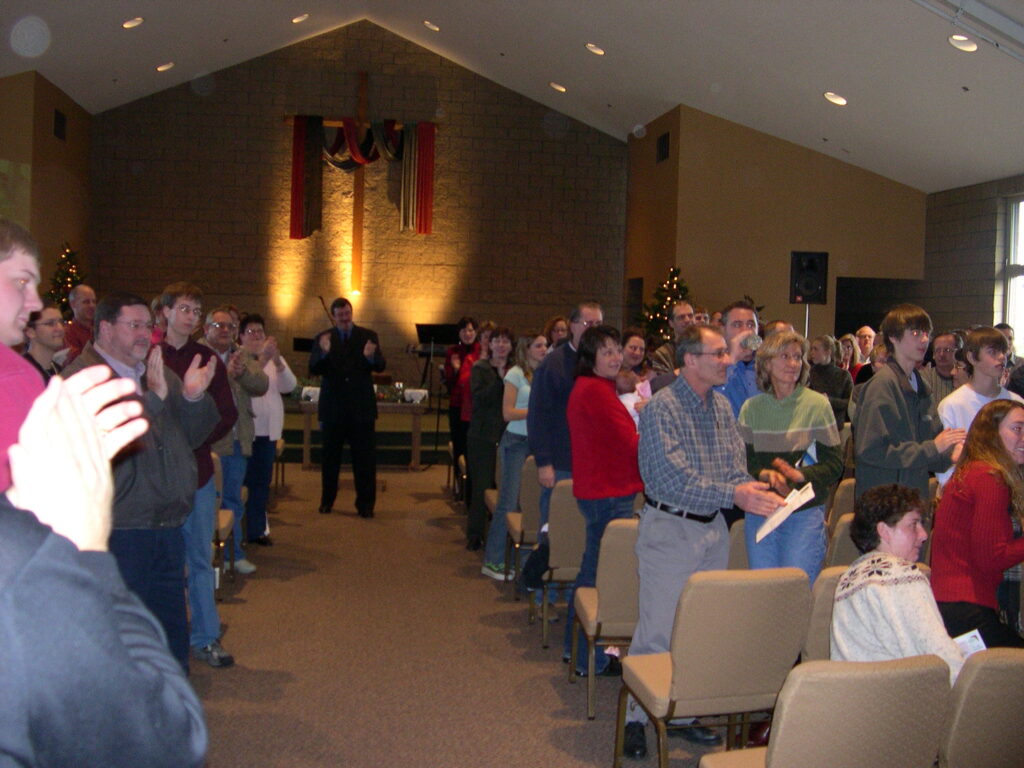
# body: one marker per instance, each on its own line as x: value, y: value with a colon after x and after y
x: 529, y: 497
x: 841, y: 549
x: 618, y: 579
x: 860, y: 714
x: 736, y: 635
x: 985, y: 728
x: 818, y: 643
x: 567, y: 533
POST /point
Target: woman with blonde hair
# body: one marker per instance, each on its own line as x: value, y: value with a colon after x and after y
x: 531, y: 347
x: 973, y: 539
x: 792, y: 439
x: 828, y: 378
x: 849, y: 356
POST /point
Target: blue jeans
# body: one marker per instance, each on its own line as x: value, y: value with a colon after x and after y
x: 597, y: 513
x: 513, y: 450
x: 258, y: 476
x: 198, y: 530
x: 233, y: 473
x: 799, y: 542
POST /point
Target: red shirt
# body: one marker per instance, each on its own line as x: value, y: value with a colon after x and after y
x: 604, y: 441
x: 20, y: 384
x: 76, y: 336
x: 972, y: 539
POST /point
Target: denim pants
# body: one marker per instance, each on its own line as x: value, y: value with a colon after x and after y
x: 798, y: 543
x: 233, y: 468
x: 198, y: 530
x: 258, y: 476
x: 597, y: 513
x: 513, y: 450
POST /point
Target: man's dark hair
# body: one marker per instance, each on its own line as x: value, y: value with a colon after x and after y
x: 466, y: 321
x: 574, y: 316
x: 176, y: 291
x: 882, y: 504
x: 1004, y: 327
x: 691, y: 342
x: 340, y: 303
x: 590, y: 342
x: 108, y: 309
x: 983, y: 338
x: 899, y: 320
x: 15, y: 237
x: 250, y: 319
x: 741, y: 304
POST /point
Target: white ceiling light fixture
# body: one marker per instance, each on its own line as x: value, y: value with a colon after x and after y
x: 557, y: 86
x: 835, y: 98
x: 982, y: 22
x: 595, y: 49
x: 431, y: 26
x: 133, y: 23
x: 300, y: 18
x: 963, y: 43
x: 165, y: 67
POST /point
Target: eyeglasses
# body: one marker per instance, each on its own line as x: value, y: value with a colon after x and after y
x: 48, y: 323
x: 718, y: 353
x: 251, y: 331
x: 221, y: 326
x: 185, y: 309
x: 137, y: 325
x: 588, y: 323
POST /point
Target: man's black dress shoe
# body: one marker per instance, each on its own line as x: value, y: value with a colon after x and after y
x: 325, y: 510
x: 635, y: 743
x: 474, y: 543
x: 366, y: 513
x: 698, y: 734
x: 263, y: 541
x: 614, y: 669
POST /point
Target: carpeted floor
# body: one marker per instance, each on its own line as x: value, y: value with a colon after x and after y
x: 372, y: 643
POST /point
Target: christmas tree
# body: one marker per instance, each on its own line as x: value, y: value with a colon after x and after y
x: 656, y: 315
x: 65, y: 277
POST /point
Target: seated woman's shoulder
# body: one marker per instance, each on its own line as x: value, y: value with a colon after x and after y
x: 878, y: 568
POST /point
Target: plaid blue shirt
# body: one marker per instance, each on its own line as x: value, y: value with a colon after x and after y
x: 691, y: 453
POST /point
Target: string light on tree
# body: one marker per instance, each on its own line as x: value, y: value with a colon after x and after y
x: 655, y: 316
x: 66, y: 276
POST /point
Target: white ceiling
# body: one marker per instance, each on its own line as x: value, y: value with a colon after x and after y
x: 761, y: 63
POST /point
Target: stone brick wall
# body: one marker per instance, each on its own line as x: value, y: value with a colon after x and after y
x: 194, y: 183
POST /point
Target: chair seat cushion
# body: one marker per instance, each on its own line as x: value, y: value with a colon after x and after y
x: 649, y: 677
x: 754, y: 757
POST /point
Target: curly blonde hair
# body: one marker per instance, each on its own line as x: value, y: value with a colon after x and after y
x: 772, y: 348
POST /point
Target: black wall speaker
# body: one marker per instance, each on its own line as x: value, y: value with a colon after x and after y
x: 808, y: 277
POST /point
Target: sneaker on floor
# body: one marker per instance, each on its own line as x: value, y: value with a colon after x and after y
x: 242, y: 566
x: 213, y: 654
x: 634, y: 745
x: 496, y: 571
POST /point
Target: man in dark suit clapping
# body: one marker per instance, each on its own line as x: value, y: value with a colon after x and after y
x: 344, y: 357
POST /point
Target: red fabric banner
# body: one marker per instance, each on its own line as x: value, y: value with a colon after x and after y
x: 298, y: 208
x: 425, y: 133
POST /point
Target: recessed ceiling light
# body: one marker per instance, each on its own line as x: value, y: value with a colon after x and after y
x: 165, y: 67
x: 594, y: 49
x: 835, y: 98
x: 963, y: 43
x: 301, y: 18
x: 431, y: 26
x: 557, y: 86
x: 132, y: 23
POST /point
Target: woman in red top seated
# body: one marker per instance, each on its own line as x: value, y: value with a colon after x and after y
x: 605, y: 469
x: 972, y: 540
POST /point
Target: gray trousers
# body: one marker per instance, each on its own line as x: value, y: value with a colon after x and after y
x: 670, y: 549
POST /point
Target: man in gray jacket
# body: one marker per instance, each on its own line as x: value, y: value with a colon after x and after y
x: 154, y: 477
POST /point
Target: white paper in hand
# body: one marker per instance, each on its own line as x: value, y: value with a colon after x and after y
x: 795, y: 500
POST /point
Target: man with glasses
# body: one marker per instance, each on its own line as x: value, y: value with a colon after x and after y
x: 694, y: 467
x: 45, y: 335
x: 155, y: 480
x: 182, y: 307
x: 664, y: 358
x: 247, y: 381
x: 865, y: 340
x: 899, y: 438
x: 547, y: 426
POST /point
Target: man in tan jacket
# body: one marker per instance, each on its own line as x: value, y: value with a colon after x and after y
x: 247, y: 381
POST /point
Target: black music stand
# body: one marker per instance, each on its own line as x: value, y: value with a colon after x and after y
x: 436, y: 337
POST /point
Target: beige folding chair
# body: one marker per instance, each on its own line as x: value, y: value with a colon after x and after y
x: 522, y: 526
x: 608, y: 612
x: 842, y: 503
x: 818, y: 642
x: 841, y: 549
x: 735, y: 637
x: 567, y: 534
x: 854, y: 714
x: 985, y: 726
x: 738, y: 546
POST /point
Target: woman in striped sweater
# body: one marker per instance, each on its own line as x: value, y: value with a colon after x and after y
x: 791, y: 438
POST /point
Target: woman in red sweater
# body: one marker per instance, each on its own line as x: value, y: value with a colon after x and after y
x: 605, y: 471
x: 972, y: 540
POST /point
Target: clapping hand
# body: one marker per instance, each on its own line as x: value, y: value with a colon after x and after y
x: 198, y: 377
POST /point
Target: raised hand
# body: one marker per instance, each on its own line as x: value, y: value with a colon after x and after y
x: 198, y: 377
x: 156, y: 381
x: 324, y: 340
x: 756, y: 498
x: 236, y: 366
x: 368, y: 349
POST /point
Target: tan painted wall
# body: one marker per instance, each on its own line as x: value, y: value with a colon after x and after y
x: 747, y: 199
x: 60, y: 176
x: 16, y: 147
